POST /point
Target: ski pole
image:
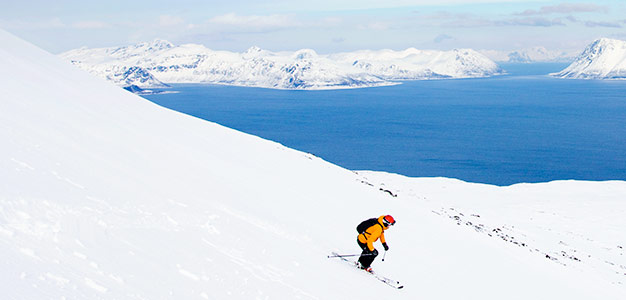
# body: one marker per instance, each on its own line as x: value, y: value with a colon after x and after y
x: 349, y: 255
x: 384, y: 255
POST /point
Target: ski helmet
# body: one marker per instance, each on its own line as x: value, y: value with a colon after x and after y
x: 388, y: 221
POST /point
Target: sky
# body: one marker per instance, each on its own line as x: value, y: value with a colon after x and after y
x: 325, y: 26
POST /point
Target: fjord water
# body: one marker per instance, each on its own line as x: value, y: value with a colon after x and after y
x: 521, y: 127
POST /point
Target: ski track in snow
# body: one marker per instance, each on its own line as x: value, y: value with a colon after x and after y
x: 266, y: 226
x: 95, y: 286
x: 563, y: 247
x: 22, y: 164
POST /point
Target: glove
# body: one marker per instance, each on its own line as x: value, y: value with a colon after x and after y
x: 385, y: 246
x: 375, y: 253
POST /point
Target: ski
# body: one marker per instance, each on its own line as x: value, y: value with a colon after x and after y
x: 388, y: 281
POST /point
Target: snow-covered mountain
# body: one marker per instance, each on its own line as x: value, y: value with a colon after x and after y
x: 602, y: 59
x: 539, y: 54
x: 124, y: 75
x: 302, y: 69
x: 412, y: 64
x: 529, y: 55
x: 105, y: 195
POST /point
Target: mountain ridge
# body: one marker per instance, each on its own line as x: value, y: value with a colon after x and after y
x: 529, y: 55
x: 301, y: 69
x: 603, y: 58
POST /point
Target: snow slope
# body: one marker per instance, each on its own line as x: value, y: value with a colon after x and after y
x: 302, y: 69
x: 602, y: 59
x: 105, y: 195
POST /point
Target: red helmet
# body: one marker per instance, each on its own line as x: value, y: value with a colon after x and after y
x: 388, y: 221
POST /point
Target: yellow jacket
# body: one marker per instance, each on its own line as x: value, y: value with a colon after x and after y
x: 373, y: 233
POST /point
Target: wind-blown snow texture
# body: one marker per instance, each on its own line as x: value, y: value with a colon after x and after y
x: 302, y: 69
x: 105, y: 195
x: 602, y: 59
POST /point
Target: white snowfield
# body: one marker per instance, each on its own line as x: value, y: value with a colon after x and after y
x: 105, y: 195
x: 302, y: 69
x: 602, y: 59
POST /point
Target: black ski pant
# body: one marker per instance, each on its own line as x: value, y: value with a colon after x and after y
x: 367, y: 256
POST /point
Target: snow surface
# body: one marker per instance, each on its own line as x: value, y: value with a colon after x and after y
x: 602, y: 59
x: 302, y: 69
x: 105, y: 195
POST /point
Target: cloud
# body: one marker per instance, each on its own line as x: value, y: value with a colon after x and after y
x: 619, y: 36
x: 375, y: 26
x: 167, y: 20
x: 537, y: 22
x: 614, y: 24
x: 442, y: 37
x: 482, y: 22
x: 338, y: 40
x: 54, y: 23
x: 456, y: 19
x: 90, y: 25
x: 443, y: 15
x: 255, y: 23
x: 332, y: 21
x: 603, y: 24
x: 565, y: 8
x: 467, y: 20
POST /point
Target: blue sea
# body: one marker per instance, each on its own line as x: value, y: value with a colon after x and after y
x: 520, y: 127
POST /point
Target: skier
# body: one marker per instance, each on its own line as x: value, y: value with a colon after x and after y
x: 370, y: 231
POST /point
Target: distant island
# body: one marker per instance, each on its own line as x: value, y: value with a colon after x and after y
x: 602, y: 59
x: 153, y: 64
x: 150, y: 66
x: 530, y: 55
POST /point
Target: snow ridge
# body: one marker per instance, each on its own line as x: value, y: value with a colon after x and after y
x: 603, y: 59
x: 301, y: 69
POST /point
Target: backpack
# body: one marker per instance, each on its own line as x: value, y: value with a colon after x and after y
x: 366, y: 224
